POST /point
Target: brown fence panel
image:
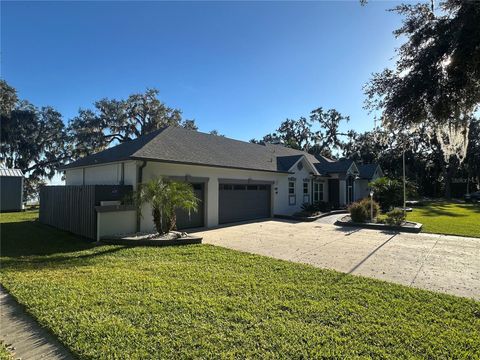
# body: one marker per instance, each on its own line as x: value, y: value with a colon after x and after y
x: 72, y: 208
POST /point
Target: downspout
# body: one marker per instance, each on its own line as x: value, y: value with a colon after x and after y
x: 139, y: 181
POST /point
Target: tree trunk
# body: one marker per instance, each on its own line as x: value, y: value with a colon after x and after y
x: 157, y: 220
x: 448, y: 173
x: 173, y: 222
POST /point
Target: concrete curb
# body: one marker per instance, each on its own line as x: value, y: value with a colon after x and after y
x: 177, y: 242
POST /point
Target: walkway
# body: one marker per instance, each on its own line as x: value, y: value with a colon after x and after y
x: 29, y: 340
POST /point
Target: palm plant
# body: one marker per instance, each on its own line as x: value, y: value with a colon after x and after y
x: 165, y: 196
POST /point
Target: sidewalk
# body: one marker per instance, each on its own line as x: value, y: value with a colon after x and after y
x: 26, y: 336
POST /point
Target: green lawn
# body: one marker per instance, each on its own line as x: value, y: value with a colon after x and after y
x: 4, y: 353
x: 112, y: 302
x: 448, y: 218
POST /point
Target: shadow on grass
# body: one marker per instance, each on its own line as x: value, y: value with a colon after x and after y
x: 30, y: 244
x: 447, y: 209
x: 28, y: 238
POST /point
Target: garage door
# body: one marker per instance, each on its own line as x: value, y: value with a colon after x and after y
x: 238, y: 202
x: 194, y: 219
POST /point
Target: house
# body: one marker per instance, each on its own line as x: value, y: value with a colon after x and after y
x: 235, y: 180
x: 11, y: 190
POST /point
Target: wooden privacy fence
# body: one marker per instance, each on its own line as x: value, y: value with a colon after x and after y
x: 72, y: 208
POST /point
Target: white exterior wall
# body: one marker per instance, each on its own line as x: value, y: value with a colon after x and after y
x: 281, y: 205
x: 74, y: 177
x: 103, y: 175
x: 116, y: 222
x: 108, y: 174
x: 279, y: 187
x: 156, y: 169
x: 130, y: 174
x: 361, y: 189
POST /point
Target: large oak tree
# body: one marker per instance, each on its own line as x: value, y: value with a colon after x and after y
x: 436, y: 79
x: 33, y: 139
x: 114, y: 121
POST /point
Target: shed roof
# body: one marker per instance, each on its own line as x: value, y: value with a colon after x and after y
x: 11, y: 172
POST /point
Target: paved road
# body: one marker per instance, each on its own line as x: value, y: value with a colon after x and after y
x: 448, y: 264
x: 29, y: 339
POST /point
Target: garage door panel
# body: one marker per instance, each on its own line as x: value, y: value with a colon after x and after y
x: 187, y: 220
x: 239, y: 202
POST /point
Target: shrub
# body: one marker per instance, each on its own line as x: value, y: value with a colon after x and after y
x: 396, y: 217
x: 358, y: 212
x: 309, y: 208
x: 367, y: 203
x: 323, y: 206
x: 320, y: 206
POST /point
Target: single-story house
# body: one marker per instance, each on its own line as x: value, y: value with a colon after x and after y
x: 11, y: 190
x: 235, y: 180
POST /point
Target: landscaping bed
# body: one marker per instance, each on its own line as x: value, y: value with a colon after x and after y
x: 106, y: 302
x: 149, y: 239
x: 407, y: 226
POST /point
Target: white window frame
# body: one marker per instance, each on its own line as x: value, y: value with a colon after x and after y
x: 306, y: 194
x: 292, y: 197
x: 318, y: 191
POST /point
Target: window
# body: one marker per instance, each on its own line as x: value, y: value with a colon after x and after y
x: 252, y: 187
x: 306, y: 196
x: 317, y: 192
x: 239, y: 187
x: 291, y: 193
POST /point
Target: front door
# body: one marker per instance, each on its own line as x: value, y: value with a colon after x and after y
x: 334, y: 192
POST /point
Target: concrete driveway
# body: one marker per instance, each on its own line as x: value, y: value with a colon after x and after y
x: 448, y: 264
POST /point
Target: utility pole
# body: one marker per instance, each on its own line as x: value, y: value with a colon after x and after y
x: 404, y: 187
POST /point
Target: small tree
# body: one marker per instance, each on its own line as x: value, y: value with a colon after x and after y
x: 165, y: 197
x: 388, y: 192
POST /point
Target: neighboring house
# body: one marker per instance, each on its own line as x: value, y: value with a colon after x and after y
x: 235, y: 180
x: 11, y: 190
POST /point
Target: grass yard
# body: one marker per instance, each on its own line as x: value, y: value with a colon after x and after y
x: 4, y: 353
x: 448, y: 218
x: 201, y: 301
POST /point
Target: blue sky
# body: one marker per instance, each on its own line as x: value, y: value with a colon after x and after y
x: 238, y: 67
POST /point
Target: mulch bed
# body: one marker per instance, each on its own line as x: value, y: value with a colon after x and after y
x: 152, y: 239
x: 408, y: 226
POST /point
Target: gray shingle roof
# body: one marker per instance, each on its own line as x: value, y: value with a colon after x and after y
x: 284, y: 163
x: 11, y: 172
x: 179, y: 145
x: 367, y: 170
x: 331, y: 167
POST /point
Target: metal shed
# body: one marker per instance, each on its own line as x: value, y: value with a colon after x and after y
x: 11, y: 190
